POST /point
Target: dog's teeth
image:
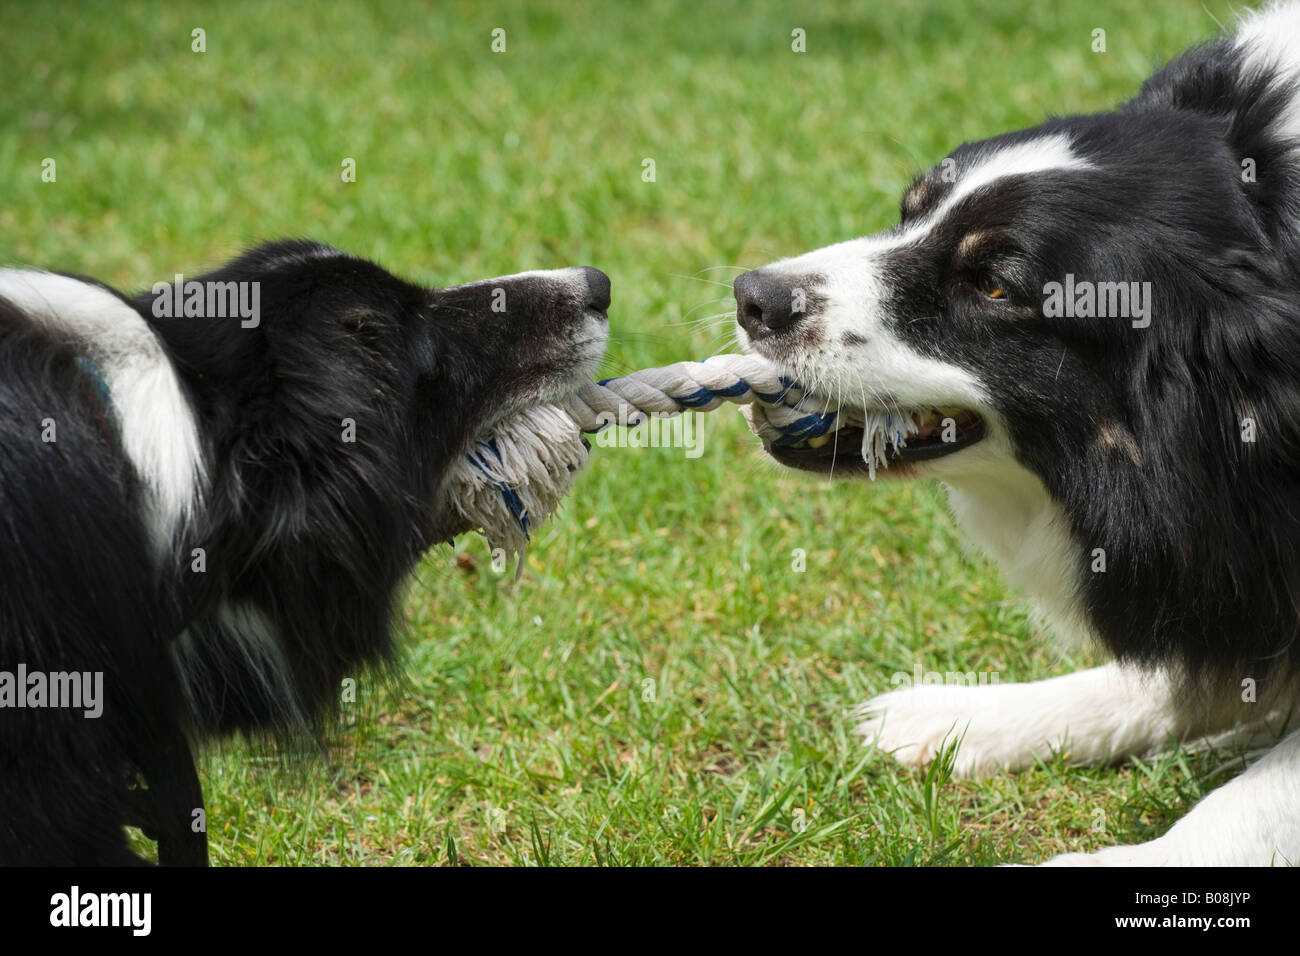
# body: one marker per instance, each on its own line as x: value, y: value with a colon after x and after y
x: 819, y: 441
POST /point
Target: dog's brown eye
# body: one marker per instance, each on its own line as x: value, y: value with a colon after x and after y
x: 991, y: 286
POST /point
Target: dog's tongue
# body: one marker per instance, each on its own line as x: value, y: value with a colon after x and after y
x: 513, y: 479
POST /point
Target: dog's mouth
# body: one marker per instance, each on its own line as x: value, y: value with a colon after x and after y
x: 518, y: 469
x: 857, y: 442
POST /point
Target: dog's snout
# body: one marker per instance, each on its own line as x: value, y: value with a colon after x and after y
x: 597, y: 289
x: 765, y: 303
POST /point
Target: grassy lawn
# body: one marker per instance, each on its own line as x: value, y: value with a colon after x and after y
x: 661, y: 686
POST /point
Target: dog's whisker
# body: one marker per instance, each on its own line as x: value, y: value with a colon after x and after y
x: 678, y: 275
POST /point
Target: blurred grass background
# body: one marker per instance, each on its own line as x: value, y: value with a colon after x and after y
x: 525, y: 731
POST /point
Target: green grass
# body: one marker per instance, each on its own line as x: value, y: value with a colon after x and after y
x: 522, y: 734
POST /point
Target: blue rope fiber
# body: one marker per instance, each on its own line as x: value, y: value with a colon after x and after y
x: 812, y: 425
x: 509, y: 495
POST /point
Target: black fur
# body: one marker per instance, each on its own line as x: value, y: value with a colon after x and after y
x: 315, y: 533
x: 1202, y: 533
x: 1137, y: 433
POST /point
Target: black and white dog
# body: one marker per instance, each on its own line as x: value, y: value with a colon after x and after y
x: 1094, y: 329
x: 207, y: 513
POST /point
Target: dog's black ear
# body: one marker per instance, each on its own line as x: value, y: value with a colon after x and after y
x: 1245, y: 109
x: 1263, y: 165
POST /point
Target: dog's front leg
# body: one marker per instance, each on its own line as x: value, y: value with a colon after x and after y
x: 1093, y: 716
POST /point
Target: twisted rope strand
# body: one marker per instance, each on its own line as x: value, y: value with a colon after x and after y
x: 789, y: 417
x: 511, y: 480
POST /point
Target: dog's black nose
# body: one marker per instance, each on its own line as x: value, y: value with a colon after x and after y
x: 597, y: 289
x: 765, y: 304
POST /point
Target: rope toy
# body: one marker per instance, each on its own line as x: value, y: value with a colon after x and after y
x: 511, y: 480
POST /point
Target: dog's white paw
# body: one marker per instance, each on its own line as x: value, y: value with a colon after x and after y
x: 914, y: 723
x: 1091, y: 716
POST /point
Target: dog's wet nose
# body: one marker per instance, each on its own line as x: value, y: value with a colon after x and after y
x: 597, y: 289
x: 765, y: 304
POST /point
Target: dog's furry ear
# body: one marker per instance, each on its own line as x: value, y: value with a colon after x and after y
x: 1264, y: 167
x: 1247, y: 110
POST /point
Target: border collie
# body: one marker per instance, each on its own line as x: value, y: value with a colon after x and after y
x: 1089, y: 332
x: 211, y: 494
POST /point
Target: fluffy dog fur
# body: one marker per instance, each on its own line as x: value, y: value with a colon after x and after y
x: 217, y: 513
x: 1131, y: 460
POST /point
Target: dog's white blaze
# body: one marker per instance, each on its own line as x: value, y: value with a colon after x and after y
x: 1269, y: 41
x: 159, y: 431
x: 853, y: 295
x: 882, y: 364
x: 1040, y: 154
